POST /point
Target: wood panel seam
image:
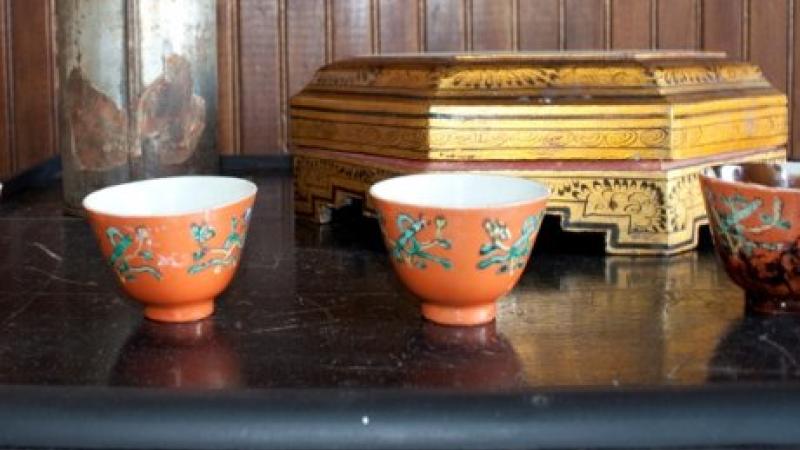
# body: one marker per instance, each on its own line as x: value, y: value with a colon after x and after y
x: 699, y: 25
x: 653, y: 24
x: 375, y: 32
x: 422, y: 25
x: 13, y: 159
x: 329, y: 44
x: 608, y: 32
x: 745, y: 25
x: 283, y: 80
x: 468, y: 36
x: 50, y: 40
x: 132, y: 34
x: 515, y: 25
x: 237, y: 80
x: 562, y: 24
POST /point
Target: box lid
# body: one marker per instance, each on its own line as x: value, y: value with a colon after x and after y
x: 540, y: 105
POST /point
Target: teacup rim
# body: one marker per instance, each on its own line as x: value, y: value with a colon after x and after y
x: 252, y: 190
x: 749, y: 184
x: 494, y: 206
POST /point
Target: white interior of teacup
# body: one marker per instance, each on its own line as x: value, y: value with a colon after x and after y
x: 169, y: 196
x: 773, y: 175
x: 458, y: 190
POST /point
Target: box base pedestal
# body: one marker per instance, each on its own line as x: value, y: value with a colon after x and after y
x: 646, y: 207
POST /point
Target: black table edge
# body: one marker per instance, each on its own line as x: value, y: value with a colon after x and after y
x: 127, y: 418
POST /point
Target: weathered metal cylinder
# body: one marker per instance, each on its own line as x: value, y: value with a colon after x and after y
x: 137, y: 91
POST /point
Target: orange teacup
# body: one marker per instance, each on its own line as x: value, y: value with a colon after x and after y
x: 459, y: 241
x: 174, y: 243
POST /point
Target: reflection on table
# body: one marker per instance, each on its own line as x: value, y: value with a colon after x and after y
x: 320, y: 307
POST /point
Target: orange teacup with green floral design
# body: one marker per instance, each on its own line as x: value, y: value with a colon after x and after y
x: 754, y: 214
x: 173, y: 243
x: 459, y: 241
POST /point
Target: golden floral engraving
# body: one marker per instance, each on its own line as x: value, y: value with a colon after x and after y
x: 640, y: 200
x: 673, y: 76
x: 362, y: 76
x: 535, y: 75
x: 497, y: 77
x: 504, y: 77
x: 684, y: 202
x: 603, y: 76
x: 740, y: 72
x: 398, y: 77
x: 706, y: 74
x: 653, y: 206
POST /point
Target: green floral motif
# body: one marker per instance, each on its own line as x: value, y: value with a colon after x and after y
x: 206, y: 257
x: 732, y: 233
x: 128, y: 261
x: 408, y: 249
x: 497, y: 253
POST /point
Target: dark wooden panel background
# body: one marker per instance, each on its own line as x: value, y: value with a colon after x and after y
x: 270, y: 48
x: 27, y: 84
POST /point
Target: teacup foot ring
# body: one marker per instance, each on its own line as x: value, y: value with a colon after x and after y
x: 461, y: 315
x: 188, y: 312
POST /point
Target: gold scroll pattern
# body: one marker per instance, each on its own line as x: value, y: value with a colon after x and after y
x: 731, y: 131
x: 427, y: 143
x: 638, y: 138
x: 357, y: 133
x: 536, y: 76
x: 443, y: 138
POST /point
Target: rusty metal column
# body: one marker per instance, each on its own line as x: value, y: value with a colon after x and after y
x: 137, y: 89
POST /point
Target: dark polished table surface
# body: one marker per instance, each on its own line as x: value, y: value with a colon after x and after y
x: 316, y: 345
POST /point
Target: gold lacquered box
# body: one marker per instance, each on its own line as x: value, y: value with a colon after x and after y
x: 618, y: 136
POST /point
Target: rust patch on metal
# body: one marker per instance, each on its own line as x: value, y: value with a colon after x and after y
x: 170, y: 117
x: 97, y: 125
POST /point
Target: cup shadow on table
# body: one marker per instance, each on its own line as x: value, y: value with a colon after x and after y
x: 192, y: 355
x: 758, y: 348
x: 198, y: 356
x: 472, y: 358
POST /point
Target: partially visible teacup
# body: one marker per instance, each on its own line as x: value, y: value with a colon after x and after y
x: 754, y: 213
